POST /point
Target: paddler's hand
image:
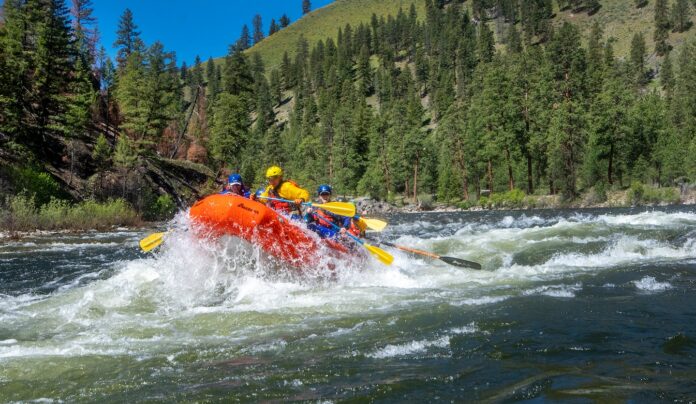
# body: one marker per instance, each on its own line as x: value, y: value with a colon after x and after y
x: 299, y: 201
x: 253, y: 197
x: 343, y: 231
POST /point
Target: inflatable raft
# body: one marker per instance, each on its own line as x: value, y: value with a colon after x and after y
x: 258, y: 224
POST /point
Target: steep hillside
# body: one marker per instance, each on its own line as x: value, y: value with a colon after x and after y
x: 324, y: 22
x: 620, y: 20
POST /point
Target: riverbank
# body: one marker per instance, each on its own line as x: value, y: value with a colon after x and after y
x: 21, y: 214
x: 636, y: 195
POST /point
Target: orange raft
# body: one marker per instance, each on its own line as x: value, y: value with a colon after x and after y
x: 260, y: 225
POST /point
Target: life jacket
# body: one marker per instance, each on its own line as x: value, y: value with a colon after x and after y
x: 284, y: 207
x: 326, y: 219
x: 354, y: 228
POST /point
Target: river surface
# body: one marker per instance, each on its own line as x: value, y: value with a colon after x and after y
x: 570, y: 305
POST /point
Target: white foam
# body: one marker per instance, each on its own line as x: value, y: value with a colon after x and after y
x: 467, y: 329
x: 409, y: 348
x: 649, y: 284
x: 566, y: 291
x: 479, y: 301
x: 227, y: 292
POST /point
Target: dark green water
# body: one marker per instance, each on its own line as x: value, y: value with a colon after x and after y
x: 578, y: 306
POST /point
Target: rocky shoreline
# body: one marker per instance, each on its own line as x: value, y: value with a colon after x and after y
x: 615, y: 199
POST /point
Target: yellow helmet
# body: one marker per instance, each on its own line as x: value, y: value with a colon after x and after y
x: 274, y: 171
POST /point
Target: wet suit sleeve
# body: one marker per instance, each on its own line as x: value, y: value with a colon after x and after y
x: 291, y: 192
x: 265, y: 192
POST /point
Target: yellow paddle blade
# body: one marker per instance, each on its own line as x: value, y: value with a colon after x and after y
x: 383, y: 256
x: 374, y: 224
x: 339, y: 208
x: 151, y: 241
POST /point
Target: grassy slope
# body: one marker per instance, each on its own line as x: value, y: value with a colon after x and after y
x: 619, y: 18
x: 324, y: 22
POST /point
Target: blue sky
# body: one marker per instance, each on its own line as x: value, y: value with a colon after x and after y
x: 203, y: 27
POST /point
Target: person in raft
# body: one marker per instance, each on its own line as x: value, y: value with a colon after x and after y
x: 278, y: 187
x: 319, y: 220
x: 235, y: 186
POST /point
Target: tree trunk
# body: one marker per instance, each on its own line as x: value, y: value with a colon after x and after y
x: 478, y: 187
x: 610, y: 180
x: 490, y: 176
x: 511, y: 180
x: 530, y: 174
x: 415, y: 181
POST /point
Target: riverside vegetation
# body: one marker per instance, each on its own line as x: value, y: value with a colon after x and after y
x: 454, y: 99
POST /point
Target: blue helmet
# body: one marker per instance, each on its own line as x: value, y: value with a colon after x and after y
x: 324, y: 189
x: 234, y: 179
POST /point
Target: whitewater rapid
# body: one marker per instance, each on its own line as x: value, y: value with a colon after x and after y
x: 199, y: 300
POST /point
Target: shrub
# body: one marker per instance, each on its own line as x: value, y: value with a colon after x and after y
x: 39, y: 184
x: 511, y: 199
x: 425, y: 201
x: 465, y: 205
x: 483, y: 202
x: 641, y: 194
x: 635, y: 193
x: 600, y: 190
x: 21, y: 214
x: 161, y: 208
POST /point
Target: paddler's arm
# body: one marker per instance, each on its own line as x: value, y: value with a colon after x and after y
x: 293, y: 193
x: 261, y: 197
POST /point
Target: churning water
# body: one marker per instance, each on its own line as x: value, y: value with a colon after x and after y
x: 597, y: 304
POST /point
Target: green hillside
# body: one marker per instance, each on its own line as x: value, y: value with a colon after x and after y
x: 324, y: 22
x: 620, y: 20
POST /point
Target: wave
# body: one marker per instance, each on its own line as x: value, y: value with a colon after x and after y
x: 228, y: 290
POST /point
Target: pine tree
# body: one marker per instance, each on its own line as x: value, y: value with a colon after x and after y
x: 244, y: 40
x: 514, y: 40
x: 273, y: 27
x: 276, y: 87
x: 258, y: 28
x: 211, y: 76
x: 486, y: 43
x: 196, y: 75
x: 306, y: 6
x: 101, y: 154
x: 148, y: 94
x: 681, y: 15
x: 127, y: 38
x: 566, y: 138
x: 84, y: 29
x: 286, y: 71
x: 236, y: 76
x: 125, y: 159
x: 638, y: 58
x: 230, y: 130
x: 284, y: 21
x: 662, y: 25
x: 667, y: 76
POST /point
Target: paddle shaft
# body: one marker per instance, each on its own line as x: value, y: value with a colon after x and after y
x: 336, y: 227
x: 459, y: 262
x: 411, y: 250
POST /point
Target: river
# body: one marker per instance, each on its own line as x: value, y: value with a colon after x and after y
x: 577, y: 305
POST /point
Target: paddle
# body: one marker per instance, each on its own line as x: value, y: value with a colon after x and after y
x: 383, y: 256
x: 374, y: 224
x: 150, y: 242
x: 450, y: 260
x: 338, y: 208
